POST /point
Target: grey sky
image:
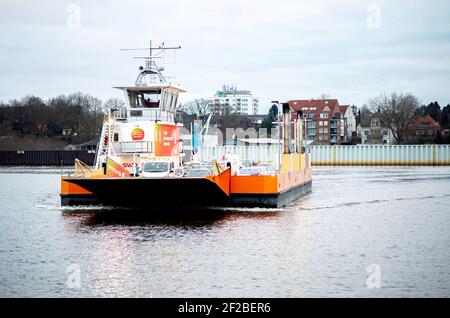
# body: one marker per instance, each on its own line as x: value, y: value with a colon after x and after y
x: 278, y: 49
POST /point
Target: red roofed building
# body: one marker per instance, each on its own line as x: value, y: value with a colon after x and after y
x: 425, y: 127
x: 325, y: 120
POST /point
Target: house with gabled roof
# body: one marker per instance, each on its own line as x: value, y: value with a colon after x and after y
x: 323, y: 120
x: 424, y: 128
x: 348, y: 123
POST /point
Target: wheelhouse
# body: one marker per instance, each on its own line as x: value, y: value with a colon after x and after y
x: 156, y: 102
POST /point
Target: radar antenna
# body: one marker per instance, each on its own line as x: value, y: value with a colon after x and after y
x: 151, y: 69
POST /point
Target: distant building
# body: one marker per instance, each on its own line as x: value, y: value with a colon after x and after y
x: 231, y: 100
x: 348, y: 123
x: 326, y: 120
x: 374, y: 132
x: 71, y: 147
x: 90, y: 145
x: 256, y: 121
x: 424, y: 127
x: 66, y: 132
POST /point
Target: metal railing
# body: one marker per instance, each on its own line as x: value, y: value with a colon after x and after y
x: 427, y: 155
x: 133, y: 147
x: 143, y: 113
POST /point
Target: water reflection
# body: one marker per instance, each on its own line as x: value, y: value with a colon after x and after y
x: 180, y: 218
x: 136, y: 253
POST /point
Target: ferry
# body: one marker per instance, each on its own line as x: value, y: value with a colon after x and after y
x: 140, y: 161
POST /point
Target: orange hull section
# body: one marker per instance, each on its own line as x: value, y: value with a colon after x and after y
x: 254, y: 184
x: 222, y: 180
x: 268, y: 184
x: 71, y: 188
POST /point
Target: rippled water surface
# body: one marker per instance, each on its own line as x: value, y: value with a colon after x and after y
x: 393, y: 218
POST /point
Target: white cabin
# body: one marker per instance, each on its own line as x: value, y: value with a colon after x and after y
x: 145, y: 128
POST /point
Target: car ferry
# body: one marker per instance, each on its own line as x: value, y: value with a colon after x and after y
x: 140, y: 161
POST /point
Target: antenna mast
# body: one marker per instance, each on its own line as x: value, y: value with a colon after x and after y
x: 151, y: 68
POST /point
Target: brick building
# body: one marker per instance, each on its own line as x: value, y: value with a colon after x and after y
x: 326, y: 121
x: 424, y: 127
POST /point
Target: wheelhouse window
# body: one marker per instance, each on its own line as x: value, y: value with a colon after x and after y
x: 147, y: 99
x: 156, y: 167
x: 174, y: 101
x: 169, y: 101
x: 166, y: 102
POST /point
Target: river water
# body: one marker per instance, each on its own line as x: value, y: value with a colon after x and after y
x: 363, y: 232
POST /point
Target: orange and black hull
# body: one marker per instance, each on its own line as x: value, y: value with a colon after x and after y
x: 271, y: 200
x: 179, y: 192
x: 162, y: 193
x: 147, y: 192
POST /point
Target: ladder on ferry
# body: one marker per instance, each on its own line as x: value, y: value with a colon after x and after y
x: 105, y: 144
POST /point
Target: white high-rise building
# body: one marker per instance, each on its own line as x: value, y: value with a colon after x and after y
x: 230, y: 100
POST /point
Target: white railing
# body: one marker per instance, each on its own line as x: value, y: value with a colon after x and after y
x: 137, y: 114
x: 344, y: 155
x: 381, y: 155
x: 135, y: 147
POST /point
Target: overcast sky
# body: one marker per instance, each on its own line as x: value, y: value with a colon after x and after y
x: 351, y: 50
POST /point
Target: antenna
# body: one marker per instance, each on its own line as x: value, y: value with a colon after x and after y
x: 151, y: 68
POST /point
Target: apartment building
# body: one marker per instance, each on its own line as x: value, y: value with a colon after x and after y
x: 230, y: 100
x: 325, y: 124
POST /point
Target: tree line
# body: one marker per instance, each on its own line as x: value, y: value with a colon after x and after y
x: 34, y: 123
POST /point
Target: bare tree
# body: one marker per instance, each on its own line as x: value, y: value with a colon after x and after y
x: 113, y: 103
x: 198, y: 106
x: 324, y: 96
x: 366, y: 115
x: 397, y: 112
